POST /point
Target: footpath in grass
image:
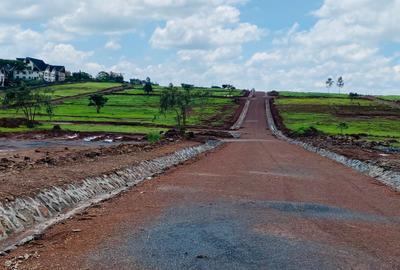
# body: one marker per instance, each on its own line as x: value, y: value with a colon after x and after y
x: 366, y: 118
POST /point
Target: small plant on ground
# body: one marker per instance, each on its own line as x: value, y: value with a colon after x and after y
x: 308, y: 132
x: 342, y: 126
x: 153, y: 137
x: 97, y: 101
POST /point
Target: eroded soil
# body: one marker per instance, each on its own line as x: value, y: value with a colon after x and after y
x: 26, y: 172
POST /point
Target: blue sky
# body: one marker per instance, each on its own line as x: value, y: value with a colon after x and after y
x: 284, y: 45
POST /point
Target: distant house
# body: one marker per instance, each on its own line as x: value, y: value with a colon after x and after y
x: 2, y: 77
x: 37, y: 69
x: 6, y: 72
x: 54, y: 74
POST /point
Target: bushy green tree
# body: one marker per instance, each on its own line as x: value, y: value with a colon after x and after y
x: 342, y: 126
x: 176, y: 101
x: 103, y: 76
x: 97, y: 101
x: 29, y: 101
x: 148, y: 88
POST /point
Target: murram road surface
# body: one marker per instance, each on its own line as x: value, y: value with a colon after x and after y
x: 255, y: 203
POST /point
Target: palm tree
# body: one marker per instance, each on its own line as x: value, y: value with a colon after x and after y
x: 340, y: 83
x: 329, y: 83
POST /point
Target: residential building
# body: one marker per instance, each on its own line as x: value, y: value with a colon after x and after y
x: 54, y: 74
x: 37, y: 69
x: 2, y: 77
x: 6, y: 73
x: 34, y: 69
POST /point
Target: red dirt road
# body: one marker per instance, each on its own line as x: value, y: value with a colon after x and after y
x: 255, y: 203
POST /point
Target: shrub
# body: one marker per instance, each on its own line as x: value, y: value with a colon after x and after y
x: 153, y: 137
x: 308, y: 132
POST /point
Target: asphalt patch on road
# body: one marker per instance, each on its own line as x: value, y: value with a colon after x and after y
x: 221, y: 236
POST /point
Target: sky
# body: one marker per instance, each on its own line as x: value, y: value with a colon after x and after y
x: 264, y: 44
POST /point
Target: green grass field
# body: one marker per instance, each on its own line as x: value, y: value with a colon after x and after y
x: 390, y: 98
x: 67, y: 90
x: 363, y: 117
x: 124, y: 108
x: 214, y: 92
x: 311, y: 94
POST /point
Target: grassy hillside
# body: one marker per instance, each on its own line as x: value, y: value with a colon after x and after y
x: 311, y: 94
x: 66, y: 90
x: 369, y: 119
x: 390, y: 98
x: 126, y: 111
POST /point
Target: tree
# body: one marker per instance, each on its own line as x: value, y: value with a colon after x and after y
x: 80, y: 76
x: 353, y: 96
x: 203, y: 97
x: 329, y: 83
x: 116, y: 77
x: 342, y: 126
x: 98, y: 101
x: 50, y: 110
x: 17, y: 65
x: 340, y: 83
x: 148, y: 88
x: 28, y: 101
x: 187, y: 87
x: 172, y: 99
x: 103, y: 76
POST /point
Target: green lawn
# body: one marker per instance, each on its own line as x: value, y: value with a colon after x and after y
x: 73, y: 89
x: 215, y: 92
x: 311, y: 94
x: 376, y: 126
x: 390, y: 98
x: 325, y: 101
x: 129, y: 108
x: 363, y: 117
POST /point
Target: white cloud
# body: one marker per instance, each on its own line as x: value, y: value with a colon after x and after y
x: 218, y: 27
x: 121, y: 16
x: 205, y: 41
x: 112, y: 45
x: 210, y: 56
x: 15, y: 40
x: 63, y: 54
x: 345, y: 41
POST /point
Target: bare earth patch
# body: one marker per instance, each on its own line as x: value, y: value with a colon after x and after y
x: 37, y: 169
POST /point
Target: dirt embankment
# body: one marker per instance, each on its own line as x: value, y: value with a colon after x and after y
x: 26, y: 172
x: 354, y: 147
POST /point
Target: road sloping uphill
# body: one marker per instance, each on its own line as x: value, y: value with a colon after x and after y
x: 255, y: 203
